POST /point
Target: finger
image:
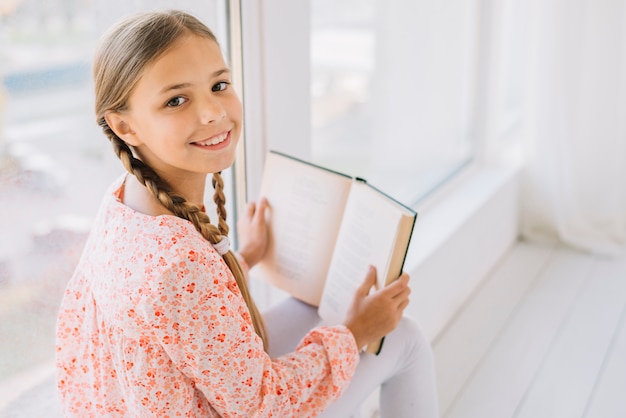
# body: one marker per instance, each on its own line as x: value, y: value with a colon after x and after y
x: 370, y: 280
x: 396, y: 288
x: 250, y: 209
x: 402, y: 280
x: 403, y: 304
x: 402, y: 295
x: 261, y: 208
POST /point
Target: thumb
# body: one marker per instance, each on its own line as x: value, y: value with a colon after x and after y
x: 261, y: 208
x: 251, y: 208
x: 370, y: 280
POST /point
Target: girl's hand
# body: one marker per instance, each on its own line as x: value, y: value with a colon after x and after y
x: 372, y: 316
x: 253, y: 232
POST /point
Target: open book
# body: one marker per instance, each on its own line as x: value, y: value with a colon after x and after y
x: 326, y: 228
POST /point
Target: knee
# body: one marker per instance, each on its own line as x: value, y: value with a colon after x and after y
x: 417, y: 343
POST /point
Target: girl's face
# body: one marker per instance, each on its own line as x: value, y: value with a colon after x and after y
x: 183, y: 116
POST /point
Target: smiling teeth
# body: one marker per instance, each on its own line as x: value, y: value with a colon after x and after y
x: 214, y: 141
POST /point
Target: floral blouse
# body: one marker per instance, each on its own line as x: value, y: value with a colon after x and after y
x: 153, y: 324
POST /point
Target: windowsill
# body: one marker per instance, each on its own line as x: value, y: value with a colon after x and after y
x: 441, y: 216
x: 461, y: 232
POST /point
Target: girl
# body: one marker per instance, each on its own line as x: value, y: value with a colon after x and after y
x: 157, y: 319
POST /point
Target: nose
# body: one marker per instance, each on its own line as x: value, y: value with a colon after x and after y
x: 211, y: 111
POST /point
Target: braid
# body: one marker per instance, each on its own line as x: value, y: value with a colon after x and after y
x: 231, y: 260
x: 220, y: 200
x: 179, y: 206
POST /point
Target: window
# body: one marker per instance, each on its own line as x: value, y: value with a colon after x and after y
x: 392, y: 90
x: 55, y: 164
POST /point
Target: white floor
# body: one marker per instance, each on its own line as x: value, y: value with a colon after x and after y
x: 544, y: 336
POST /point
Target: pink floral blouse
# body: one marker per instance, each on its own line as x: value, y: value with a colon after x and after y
x: 153, y: 324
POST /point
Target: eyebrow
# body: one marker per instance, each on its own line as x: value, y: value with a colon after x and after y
x: 184, y: 85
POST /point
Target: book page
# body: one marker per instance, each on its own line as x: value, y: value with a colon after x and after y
x: 306, y: 207
x: 367, y: 236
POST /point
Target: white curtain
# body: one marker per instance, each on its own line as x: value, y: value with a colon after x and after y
x: 574, y: 187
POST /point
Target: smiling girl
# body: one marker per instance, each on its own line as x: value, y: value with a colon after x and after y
x: 157, y: 319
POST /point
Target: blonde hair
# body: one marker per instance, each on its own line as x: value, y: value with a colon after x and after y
x: 124, y: 51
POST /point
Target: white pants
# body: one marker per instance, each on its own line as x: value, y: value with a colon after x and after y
x: 404, y: 369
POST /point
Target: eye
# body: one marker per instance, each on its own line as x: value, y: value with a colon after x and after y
x: 176, y: 101
x: 221, y: 86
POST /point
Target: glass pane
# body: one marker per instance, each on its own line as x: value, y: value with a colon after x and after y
x: 55, y: 163
x: 391, y: 90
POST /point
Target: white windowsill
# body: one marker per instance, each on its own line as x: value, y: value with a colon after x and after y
x: 460, y: 234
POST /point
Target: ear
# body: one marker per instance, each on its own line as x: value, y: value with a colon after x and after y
x: 119, y: 123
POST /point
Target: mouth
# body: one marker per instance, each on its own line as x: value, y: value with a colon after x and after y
x: 214, y: 141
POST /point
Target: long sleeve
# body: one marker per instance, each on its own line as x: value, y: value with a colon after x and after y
x: 205, y: 328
